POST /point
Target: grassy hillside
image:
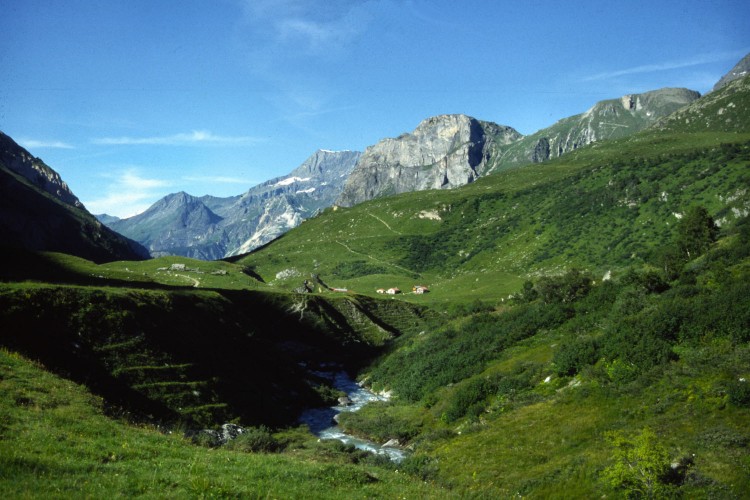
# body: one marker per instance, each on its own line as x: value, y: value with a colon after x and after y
x: 57, y: 442
x: 199, y: 357
x: 558, y: 391
x: 602, y: 209
x: 573, y: 380
x: 586, y: 319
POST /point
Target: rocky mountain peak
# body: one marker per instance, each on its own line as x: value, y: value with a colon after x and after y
x: 443, y: 151
x: 210, y: 227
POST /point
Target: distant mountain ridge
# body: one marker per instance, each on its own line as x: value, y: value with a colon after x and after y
x: 452, y: 150
x: 39, y: 212
x: 608, y: 119
x: 210, y: 227
x: 443, y: 152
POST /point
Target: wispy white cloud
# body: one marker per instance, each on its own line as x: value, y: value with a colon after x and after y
x: 128, y: 194
x: 299, y: 47
x: 40, y: 144
x: 312, y: 26
x: 665, y: 66
x: 132, y: 181
x: 196, y: 137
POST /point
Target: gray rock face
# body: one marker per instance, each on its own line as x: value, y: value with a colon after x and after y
x: 610, y: 119
x: 442, y: 152
x: 741, y: 69
x: 210, y: 227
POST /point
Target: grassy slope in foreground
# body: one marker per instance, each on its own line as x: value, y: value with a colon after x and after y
x: 55, y: 442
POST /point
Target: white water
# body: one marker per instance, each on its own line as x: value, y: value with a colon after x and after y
x: 321, y: 420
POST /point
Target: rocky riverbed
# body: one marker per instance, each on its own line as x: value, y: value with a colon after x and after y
x: 322, y: 421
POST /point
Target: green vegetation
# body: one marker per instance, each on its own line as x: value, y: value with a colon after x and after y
x: 555, y: 384
x: 55, y: 441
x: 586, y: 334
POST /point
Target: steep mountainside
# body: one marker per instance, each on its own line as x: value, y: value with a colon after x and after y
x: 740, y: 70
x: 610, y: 119
x: 39, y: 212
x: 210, y: 227
x: 21, y: 162
x: 442, y: 152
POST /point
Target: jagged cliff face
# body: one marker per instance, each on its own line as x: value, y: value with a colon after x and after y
x: 212, y: 228
x: 443, y: 152
x: 610, y: 119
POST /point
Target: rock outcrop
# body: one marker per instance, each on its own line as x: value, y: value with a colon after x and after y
x: 18, y: 160
x: 442, y: 152
x: 610, y: 119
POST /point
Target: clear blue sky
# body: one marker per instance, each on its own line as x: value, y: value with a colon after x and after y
x: 131, y: 100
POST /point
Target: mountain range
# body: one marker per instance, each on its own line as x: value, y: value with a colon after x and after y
x: 443, y: 152
x: 210, y: 227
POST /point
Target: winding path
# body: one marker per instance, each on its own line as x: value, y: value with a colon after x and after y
x: 385, y: 263
x: 196, y: 282
x: 384, y: 223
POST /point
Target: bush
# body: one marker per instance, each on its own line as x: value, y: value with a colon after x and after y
x: 573, y: 356
x: 254, y: 440
x: 739, y: 393
x: 641, y: 466
x: 567, y: 288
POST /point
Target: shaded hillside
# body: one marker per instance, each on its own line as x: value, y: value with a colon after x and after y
x: 56, y: 441
x: 200, y: 357
x: 38, y: 212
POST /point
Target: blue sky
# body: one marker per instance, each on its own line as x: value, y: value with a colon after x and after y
x: 131, y: 100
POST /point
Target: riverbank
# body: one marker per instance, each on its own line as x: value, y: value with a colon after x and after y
x: 322, y: 421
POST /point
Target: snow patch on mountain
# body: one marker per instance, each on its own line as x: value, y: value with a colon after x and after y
x: 291, y: 180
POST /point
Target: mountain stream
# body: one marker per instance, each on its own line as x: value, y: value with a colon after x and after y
x: 321, y: 420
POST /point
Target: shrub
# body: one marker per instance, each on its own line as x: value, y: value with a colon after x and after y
x: 564, y: 289
x: 254, y: 439
x: 695, y: 232
x: 641, y: 465
x: 739, y: 393
x: 573, y: 356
